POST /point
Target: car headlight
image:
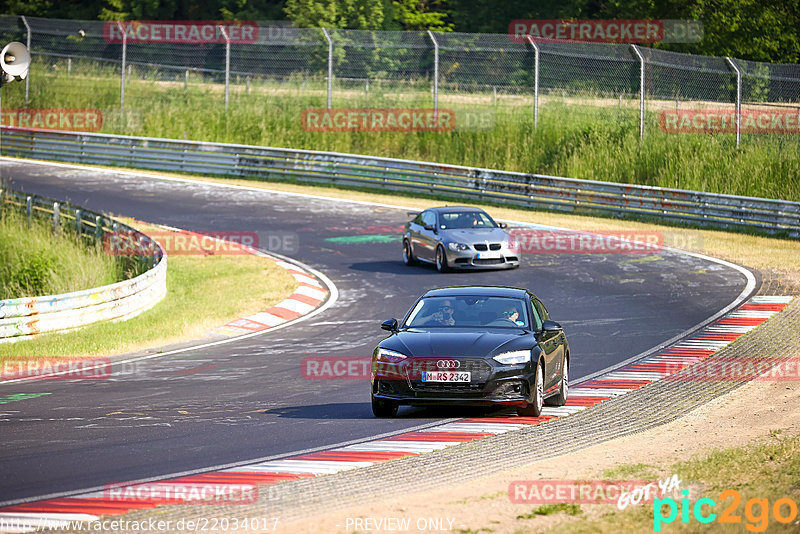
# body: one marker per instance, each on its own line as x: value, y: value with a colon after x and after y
x: 457, y: 246
x: 390, y: 356
x: 514, y: 357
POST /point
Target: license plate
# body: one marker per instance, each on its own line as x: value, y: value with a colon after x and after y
x: 446, y: 376
x: 486, y: 256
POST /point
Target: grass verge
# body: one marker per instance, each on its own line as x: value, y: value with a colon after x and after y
x: 747, y: 482
x: 589, y: 137
x: 203, y: 292
x: 34, y: 262
x: 550, y: 509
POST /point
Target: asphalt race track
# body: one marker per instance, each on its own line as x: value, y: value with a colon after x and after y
x: 248, y: 399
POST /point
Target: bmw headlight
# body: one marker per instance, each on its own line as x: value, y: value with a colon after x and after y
x: 457, y: 247
x: 390, y: 356
x: 515, y: 357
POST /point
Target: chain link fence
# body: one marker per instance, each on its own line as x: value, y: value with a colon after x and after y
x: 626, y: 83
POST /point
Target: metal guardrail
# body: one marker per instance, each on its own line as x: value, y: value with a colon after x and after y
x: 23, y: 318
x: 529, y: 190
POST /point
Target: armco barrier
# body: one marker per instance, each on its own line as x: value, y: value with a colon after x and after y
x: 529, y: 190
x: 25, y: 317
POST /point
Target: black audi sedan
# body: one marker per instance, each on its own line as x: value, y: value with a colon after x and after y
x: 472, y: 345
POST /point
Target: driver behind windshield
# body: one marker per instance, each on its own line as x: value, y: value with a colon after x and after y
x: 465, y: 220
x: 511, y: 313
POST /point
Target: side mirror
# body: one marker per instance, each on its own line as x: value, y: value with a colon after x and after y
x: 502, y: 225
x: 390, y: 325
x: 430, y: 227
x: 551, y: 326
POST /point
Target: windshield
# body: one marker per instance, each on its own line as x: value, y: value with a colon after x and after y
x: 465, y: 219
x: 469, y: 311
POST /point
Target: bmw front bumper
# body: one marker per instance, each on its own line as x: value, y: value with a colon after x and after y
x: 472, y: 259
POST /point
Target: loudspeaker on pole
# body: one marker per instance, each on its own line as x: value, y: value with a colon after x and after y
x: 14, y: 61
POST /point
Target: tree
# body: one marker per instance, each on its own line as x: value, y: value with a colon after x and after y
x: 416, y: 15
x: 748, y: 29
x: 352, y: 14
x: 139, y: 10
x: 481, y: 16
x: 64, y: 9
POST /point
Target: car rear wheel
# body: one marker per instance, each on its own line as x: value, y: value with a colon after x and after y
x: 563, y: 393
x: 441, y: 259
x: 384, y: 408
x: 534, y: 408
x: 408, y: 255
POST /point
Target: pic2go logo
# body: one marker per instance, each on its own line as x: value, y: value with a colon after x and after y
x: 756, y: 511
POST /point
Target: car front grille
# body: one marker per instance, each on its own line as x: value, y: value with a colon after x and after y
x: 443, y: 388
x: 482, y: 247
x: 479, y: 374
x: 488, y: 261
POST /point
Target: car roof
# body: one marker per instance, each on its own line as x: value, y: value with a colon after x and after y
x: 488, y: 291
x: 455, y: 208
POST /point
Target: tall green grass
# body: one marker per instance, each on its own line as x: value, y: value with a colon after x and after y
x: 34, y: 262
x: 594, y: 138
x: 191, y: 309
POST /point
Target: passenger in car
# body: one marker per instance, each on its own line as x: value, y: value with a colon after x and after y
x: 442, y: 317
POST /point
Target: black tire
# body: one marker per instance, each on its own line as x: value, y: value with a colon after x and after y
x: 563, y: 390
x: 441, y: 260
x: 384, y: 408
x: 408, y: 254
x: 534, y: 408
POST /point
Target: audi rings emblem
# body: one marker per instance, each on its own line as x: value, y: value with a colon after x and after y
x: 448, y: 364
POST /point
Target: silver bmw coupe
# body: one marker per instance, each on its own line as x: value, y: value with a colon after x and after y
x: 459, y: 238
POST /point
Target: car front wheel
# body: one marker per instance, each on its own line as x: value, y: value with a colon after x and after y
x: 534, y: 408
x: 384, y: 408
